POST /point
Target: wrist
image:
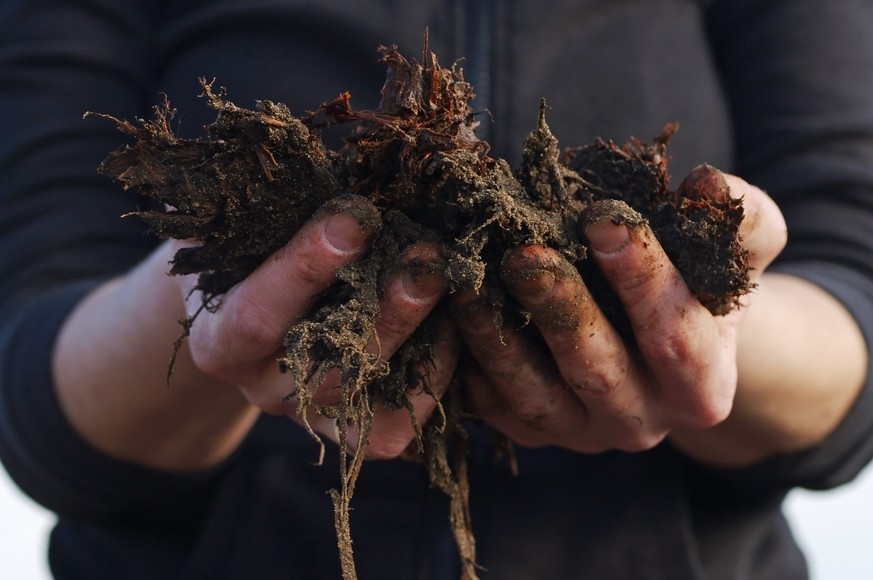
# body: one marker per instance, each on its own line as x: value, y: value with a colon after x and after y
x: 794, y: 386
x: 110, y: 363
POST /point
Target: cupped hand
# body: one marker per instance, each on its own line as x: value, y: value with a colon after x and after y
x: 583, y: 387
x: 241, y: 340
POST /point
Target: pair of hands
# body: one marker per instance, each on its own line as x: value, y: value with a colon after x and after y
x: 585, y: 390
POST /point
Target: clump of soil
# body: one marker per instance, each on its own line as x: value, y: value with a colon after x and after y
x: 247, y: 185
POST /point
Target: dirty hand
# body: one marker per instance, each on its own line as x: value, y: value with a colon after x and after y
x: 240, y: 341
x: 583, y: 387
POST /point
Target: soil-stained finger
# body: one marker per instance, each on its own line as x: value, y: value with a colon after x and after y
x: 489, y: 405
x: 255, y: 315
x: 394, y: 430
x: 589, y: 354
x: 410, y: 295
x: 675, y: 333
x: 524, y: 396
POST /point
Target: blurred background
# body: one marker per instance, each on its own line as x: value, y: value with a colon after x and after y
x: 834, y: 528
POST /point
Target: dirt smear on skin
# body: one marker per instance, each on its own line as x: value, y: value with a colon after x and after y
x: 247, y: 185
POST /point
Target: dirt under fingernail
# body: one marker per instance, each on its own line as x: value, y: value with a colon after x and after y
x: 345, y: 233
x: 607, y: 237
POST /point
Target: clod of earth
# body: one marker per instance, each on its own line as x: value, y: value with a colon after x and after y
x: 246, y: 187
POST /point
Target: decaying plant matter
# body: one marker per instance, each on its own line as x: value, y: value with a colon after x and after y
x: 247, y: 186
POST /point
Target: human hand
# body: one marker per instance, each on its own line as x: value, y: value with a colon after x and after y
x: 240, y: 341
x: 583, y: 387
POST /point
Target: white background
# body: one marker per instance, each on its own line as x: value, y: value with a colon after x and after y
x: 834, y: 528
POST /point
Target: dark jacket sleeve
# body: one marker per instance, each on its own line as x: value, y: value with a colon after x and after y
x: 798, y: 78
x: 61, y: 233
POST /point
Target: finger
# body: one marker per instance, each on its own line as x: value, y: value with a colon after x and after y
x: 489, y: 405
x: 529, y: 414
x: 524, y: 397
x: 254, y: 316
x: 393, y: 430
x: 677, y: 336
x: 410, y: 295
x: 763, y: 231
x: 590, y: 355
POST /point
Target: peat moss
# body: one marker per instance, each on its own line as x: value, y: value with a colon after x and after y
x: 248, y: 184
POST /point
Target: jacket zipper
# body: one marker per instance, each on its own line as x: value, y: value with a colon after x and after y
x: 477, y: 70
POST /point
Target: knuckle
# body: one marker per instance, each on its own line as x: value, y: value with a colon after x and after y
x: 634, y: 285
x: 253, y: 325
x: 535, y: 413
x: 602, y: 380
x: 390, y: 327
x: 672, y: 347
x: 309, y: 273
x: 709, y: 398
x: 496, y: 357
x: 474, y: 316
x: 637, y: 285
x: 709, y: 411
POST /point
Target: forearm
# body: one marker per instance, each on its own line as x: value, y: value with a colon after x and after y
x: 110, y: 365
x: 801, y: 362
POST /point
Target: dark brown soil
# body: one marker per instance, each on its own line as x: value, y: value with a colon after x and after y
x: 249, y: 183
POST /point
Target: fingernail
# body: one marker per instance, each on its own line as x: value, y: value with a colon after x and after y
x: 707, y: 182
x: 421, y: 285
x: 534, y: 283
x: 606, y: 237
x: 344, y: 233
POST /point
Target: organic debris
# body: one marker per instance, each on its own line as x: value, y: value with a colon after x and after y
x: 246, y: 187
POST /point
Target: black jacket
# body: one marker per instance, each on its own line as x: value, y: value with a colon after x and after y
x: 778, y: 91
